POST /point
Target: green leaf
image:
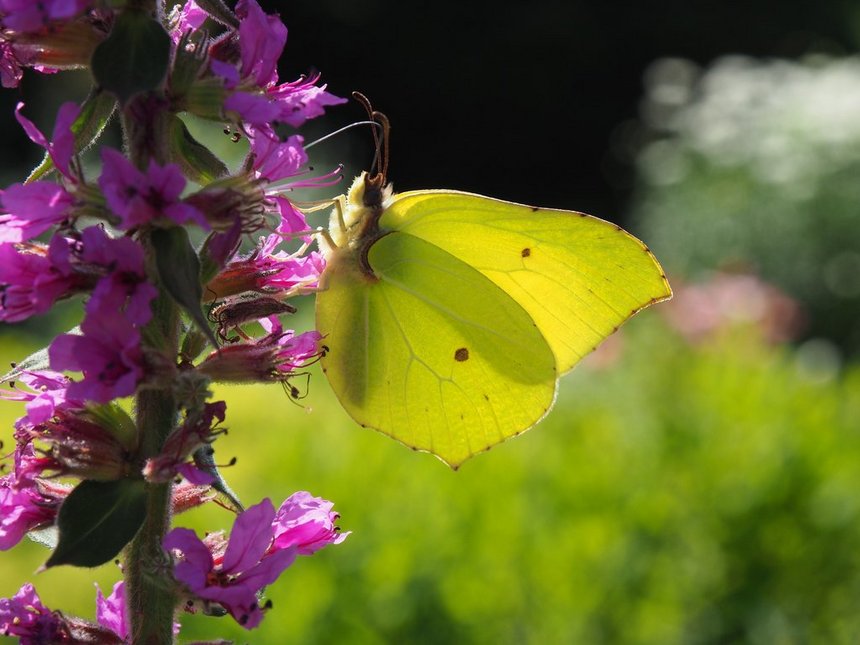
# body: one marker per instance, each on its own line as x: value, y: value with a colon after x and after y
x: 197, y: 162
x: 95, y: 113
x: 179, y: 270
x: 134, y: 57
x: 219, y: 12
x: 97, y: 520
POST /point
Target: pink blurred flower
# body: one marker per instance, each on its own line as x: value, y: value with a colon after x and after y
x: 10, y: 67
x: 698, y: 311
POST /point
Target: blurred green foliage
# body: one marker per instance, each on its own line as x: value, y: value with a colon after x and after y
x: 687, y: 494
x: 754, y: 165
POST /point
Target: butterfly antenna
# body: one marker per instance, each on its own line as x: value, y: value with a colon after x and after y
x: 341, y: 130
x: 381, y: 137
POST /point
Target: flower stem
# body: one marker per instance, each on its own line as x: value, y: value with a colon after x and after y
x: 150, y: 596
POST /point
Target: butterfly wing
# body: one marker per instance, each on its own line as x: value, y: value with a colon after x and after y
x: 577, y: 276
x: 432, y: 353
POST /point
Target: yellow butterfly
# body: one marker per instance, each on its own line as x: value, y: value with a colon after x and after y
x: 449, y: 317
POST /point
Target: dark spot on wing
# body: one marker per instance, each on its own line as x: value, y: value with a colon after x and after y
x: 535, y: 209
x: 526, y: 252
x: 461, y: 354
x: 487, y: 397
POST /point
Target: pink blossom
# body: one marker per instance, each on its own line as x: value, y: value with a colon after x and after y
x: 108, y: 353
x: 262, y: 544
x: 61, y: 148
x: 188, y: 17
x: 273, y: 159
x: 25, y: 502
x: 26, y: 617
x: 111, y: 611
x: 269, y: 271
x: 140, y: 198
x: 45, y: 393
x: 196, y: 432
x: 31, y: 209
x: 261, y: 40
x: 306, y: 523
x: 33, y: 278
x: 124, y: 287
x: 301, y: 100
x: 257, y: 97
x: 273, y: 357
x: 232, y: 578
x: 27, y: 16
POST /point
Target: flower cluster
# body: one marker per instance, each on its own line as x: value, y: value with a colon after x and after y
x: 121, y: 243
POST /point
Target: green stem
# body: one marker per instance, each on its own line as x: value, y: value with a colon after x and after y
x: 150, y: 596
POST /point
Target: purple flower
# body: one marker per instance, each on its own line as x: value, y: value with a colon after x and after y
x: 257, y: 97
x: 197, y: 431
x: 108, y: 353
x: 306, y: 523
x: 188, y: 17
x: 25, y: 502
x: 140, y: 198
x: 247, y: 565
x: 273, y: 357
x: 124, y: 288
x: 261, y: 40
x: 33, y: 623
x: 47, y: 393
x: 26, y: 617
x: 111, y: 611
x: 33, y: 278
x: 31, y: 209
x: 269, y: 272
x: 62, y: 146
x: 27, y: 16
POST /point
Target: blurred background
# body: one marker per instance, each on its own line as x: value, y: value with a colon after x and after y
x: 698, y: 479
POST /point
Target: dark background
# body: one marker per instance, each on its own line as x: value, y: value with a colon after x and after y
x: 524, y: 100
x: 518, y: 100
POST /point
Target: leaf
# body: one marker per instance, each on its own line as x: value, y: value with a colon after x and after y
x: 219, y: 12
x: 95, y: 113
x: 134, y: 57
x: 179, y: 270
x: 36, y: 361
x: 97, y: 520
x: 197, y: 162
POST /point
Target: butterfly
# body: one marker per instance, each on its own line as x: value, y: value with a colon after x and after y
x: 449, y: 317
